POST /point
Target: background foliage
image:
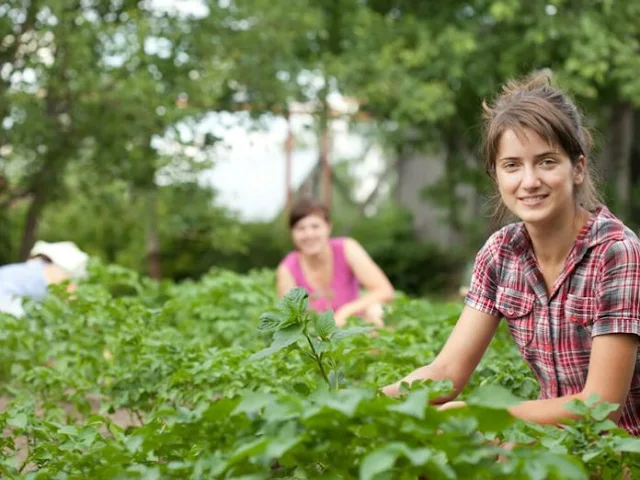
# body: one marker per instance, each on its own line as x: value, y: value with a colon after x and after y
x: 101, y: 107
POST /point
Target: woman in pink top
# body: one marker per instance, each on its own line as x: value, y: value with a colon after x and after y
x: 332, y: 270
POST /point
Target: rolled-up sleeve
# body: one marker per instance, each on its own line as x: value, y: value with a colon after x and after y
x: 618, y: 291
x: 484, y: 279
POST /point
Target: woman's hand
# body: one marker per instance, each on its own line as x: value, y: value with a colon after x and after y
x: 452, y: 405
x: 341, y: 317
x: 392, y: 390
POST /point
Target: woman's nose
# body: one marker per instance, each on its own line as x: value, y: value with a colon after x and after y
x: 530, y: 178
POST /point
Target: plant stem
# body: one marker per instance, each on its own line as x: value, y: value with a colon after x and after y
x: 28, y: 457
x: 318, y: 361
x: 138, y: 416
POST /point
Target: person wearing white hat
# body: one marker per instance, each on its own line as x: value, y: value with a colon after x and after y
x: 49, y: 263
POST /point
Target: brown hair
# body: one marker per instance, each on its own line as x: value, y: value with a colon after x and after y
x: 306, y: 207
x: 535, y: 104
x: 42, y: 257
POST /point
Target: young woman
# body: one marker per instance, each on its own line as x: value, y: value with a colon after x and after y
x: 566, y: 278
x: 332, y: 270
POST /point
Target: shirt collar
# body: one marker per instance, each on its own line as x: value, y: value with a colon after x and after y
x: 602, y: 226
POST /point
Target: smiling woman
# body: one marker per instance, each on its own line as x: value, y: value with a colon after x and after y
x: 566, y: 278
x: 332, y: 270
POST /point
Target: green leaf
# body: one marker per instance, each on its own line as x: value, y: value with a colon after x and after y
x: 603, y: 409
x: 319, y: 346
x: 240, y: 454
x: 592, y: 400
x: 345, y: 401
x: 19, y: 420
x: 564, y: 467
x: 414, y: 405
x: 301, y: 388
x: 590, y: 455
x: 492, y: 396
x: 605, y: 426
x: 281, y: 339
x: 336, y: 378
x: 220, y: 409
x: 341, y: 334
x: 270, y: 321
x: 578, y: 407
x: 488, y: 419
x: 294, y: 302
x: 379, y: 461
x: 134, y: 443
x: 383, y: 459
x: 68, y: 430
x: 535, y: 471
x: 630, y: 445
x: 418, y: 456
x: 287, y: 439
x: 288, y: 336
x: 324, y: 324
x: 253, y: 402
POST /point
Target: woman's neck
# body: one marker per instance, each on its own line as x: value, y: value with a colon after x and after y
x: 317, y: 260
x: 553, y: 241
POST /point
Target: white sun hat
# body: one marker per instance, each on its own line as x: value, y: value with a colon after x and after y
x: 66, y: 255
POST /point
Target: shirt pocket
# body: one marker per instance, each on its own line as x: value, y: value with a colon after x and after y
x: 580, y: 310
x: 517, y: 309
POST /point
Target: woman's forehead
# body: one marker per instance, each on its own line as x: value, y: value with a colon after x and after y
x: 524, y: 140
x: 312, y: 218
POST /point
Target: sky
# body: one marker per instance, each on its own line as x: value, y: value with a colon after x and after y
x: 249, y: 169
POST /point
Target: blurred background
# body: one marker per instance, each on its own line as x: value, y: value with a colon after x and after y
x: 172, y: 136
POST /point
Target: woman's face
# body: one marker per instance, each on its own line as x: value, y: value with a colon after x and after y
x: 536, y: 180
x: 311, y: 234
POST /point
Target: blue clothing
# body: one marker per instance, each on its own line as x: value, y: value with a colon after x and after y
x: 23, y: 280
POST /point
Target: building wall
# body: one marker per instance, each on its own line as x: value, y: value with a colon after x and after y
x: 431, y: 220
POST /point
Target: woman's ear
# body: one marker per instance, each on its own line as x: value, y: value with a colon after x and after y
x: 579, y: 170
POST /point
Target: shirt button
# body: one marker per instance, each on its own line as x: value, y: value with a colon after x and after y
x: 511, y: 311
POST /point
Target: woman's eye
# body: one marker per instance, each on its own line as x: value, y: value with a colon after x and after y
x: 548, y: 161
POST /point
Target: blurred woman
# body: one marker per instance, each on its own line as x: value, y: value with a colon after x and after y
x: 332, y: 269
x: 49, y: 263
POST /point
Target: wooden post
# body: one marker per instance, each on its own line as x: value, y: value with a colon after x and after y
x: 287, y: 168
x: 325, y: 166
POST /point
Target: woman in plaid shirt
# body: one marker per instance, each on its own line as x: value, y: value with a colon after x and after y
x: 566, y: 278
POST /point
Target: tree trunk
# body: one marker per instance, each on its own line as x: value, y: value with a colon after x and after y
x: 635, y: 170
x: 400, y: 163
x: 153, y: 241
x: 618, y: 165
x: 325, y: 166
x: 373, y: 195
x: 31, y: 223
x: 451, y: 166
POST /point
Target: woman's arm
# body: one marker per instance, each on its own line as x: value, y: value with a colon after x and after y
x: 370, y: 276
x: 284, y: 280
x: 611, y: 366
x: 53, y: 274
x: 460, y: 355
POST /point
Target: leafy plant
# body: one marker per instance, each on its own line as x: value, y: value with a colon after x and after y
x: 292, y: 322
x: 174, y: 381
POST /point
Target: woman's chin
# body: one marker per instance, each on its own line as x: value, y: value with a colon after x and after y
x: 311, y: 251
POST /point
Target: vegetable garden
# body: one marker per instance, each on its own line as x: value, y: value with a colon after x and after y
x: 215, y: 379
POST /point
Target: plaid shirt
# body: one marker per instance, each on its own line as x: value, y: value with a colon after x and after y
x: 597, y: 293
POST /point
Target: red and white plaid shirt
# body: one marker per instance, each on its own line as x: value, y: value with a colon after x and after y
x: 597, y: 293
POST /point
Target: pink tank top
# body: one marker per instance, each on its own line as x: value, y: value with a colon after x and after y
x: 344, y: 286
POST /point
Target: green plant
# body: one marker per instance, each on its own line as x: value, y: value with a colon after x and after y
x: 292, y: 322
